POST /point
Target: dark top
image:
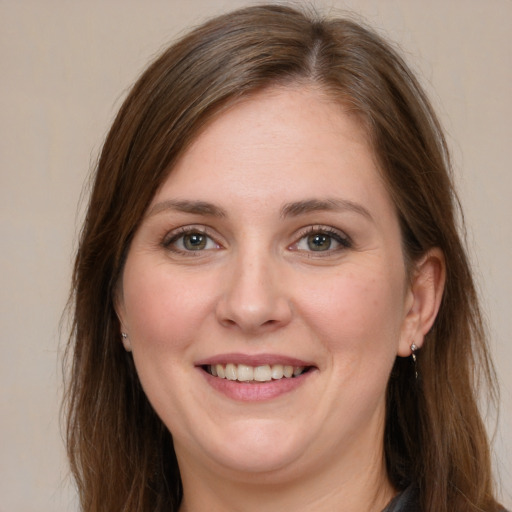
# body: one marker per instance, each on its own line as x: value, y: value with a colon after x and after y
x: 406, y: 501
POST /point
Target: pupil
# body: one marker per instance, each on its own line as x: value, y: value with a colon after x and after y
x: 195, y: 241
x: 319, y: 242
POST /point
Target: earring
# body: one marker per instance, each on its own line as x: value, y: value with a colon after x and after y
x: 413, y: 355
x: 126, y: 343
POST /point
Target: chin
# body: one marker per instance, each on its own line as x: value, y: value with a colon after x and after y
x: 256, y: 447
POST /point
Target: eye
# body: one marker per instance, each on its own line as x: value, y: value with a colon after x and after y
x: 190, y: 240
x: 319, y: 242
x: 318, y: 239
x: 194, y: 241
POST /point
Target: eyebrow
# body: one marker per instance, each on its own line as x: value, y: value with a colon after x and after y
x: 293, y: 209
x: 186, y: 206
x: 333, y: 204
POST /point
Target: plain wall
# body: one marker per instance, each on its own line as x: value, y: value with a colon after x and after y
x: 65, y: 67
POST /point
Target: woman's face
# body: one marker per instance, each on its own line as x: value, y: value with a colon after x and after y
x: 272, y: 248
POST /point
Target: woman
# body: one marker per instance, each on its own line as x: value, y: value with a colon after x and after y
x: 273, y: 307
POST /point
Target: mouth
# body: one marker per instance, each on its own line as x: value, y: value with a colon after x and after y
x: 255, y: 374
x: 256, y: 377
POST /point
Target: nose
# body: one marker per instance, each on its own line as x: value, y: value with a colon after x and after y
x: 254, y: 297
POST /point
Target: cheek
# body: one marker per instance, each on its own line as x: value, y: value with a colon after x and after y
x: 357, y: 312
x: 163, y: 310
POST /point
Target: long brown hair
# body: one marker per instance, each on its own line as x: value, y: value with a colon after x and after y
x: 121, y: 454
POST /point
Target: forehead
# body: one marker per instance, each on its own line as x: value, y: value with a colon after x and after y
x: 274, y: 144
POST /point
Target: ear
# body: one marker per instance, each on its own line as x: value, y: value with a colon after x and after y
x: 423, y: 299
x: 121, y: 314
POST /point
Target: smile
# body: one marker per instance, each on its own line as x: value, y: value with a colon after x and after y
x: 256, y: 378
x: 255, y: 374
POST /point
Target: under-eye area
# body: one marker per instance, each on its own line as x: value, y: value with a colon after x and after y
x: 255, y: 374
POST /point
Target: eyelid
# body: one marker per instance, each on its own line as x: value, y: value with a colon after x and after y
x: 174, y: 235
x: 338, y: 235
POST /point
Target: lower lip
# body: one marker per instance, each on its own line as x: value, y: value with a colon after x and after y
x: 255, y: 392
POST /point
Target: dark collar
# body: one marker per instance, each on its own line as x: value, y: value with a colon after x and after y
x: 406, y: 501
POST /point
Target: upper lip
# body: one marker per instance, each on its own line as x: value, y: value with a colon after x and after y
x: 253, y: 360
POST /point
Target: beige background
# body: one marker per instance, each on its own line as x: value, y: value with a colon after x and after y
x: 65, y: 67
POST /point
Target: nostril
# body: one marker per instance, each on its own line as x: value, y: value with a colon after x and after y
x: 227, y: 322
x: 252, y: 309
x: 249, y: 323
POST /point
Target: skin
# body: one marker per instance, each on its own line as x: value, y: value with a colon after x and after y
x: 259, y: 287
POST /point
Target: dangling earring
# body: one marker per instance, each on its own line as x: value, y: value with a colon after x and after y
x: 413, y: 355
x: 126, y: 343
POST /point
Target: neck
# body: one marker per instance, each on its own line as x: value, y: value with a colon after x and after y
x: 363, y: 486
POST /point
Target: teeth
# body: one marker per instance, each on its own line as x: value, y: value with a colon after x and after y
x: 297, y: 370
x: 277, y: 371
x: 231, y: 372
x: 264, y: 373
x: 245, y: 373
x: 288, y: 371
x: 220, y: 371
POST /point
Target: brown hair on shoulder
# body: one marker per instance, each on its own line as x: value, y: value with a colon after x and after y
x: 121, y: 453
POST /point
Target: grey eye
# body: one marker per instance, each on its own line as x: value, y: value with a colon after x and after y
x: 190, y: 241
x: 319, y: 242
x: 194, y: 241
x: 322, y: 240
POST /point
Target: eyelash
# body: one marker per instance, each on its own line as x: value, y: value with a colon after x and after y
x: 172, y: 238
x: 339, y: 237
